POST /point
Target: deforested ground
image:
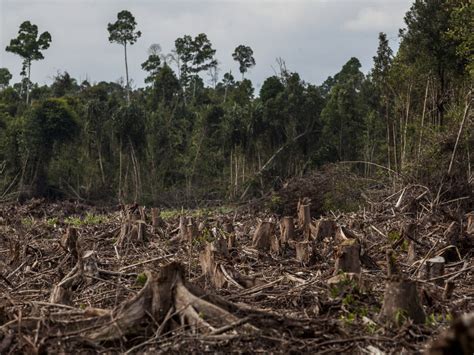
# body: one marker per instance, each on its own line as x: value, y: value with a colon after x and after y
x: 390, y: 278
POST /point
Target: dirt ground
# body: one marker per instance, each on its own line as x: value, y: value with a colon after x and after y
x: 76, y: 278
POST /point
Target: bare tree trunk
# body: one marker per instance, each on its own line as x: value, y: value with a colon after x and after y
x: 126, y: 73
x: 461, y: 127
x: 423, y: 119
x: 28, y: 83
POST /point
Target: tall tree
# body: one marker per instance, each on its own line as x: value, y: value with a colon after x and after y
x: 193, y: 55
x: 425, y: 40
x: 29, y: 45
x: 123, y: 32
x: 244, y: 55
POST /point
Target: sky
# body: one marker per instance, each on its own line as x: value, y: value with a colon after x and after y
x: 314, y: 37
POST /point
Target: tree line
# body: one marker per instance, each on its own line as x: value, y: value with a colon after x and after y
x: 179, y: 139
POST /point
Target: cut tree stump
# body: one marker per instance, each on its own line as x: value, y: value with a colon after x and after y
x: 305, y: 253
x: 348, y: 257
x: 287, y: 229
x: 156, y: 220
x: 264, y: 238
x: 432, y: 268
x: 400, y: 302
x: 133, y: 228
x: 392, y: 268
x: 470, y: 224
x: 448, y: 289
x: 69, y: 243
x: 412, y: 254
x: 304, y: 217
x: 325, y: 228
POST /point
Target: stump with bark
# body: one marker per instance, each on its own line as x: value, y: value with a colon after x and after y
x: 433, y: 268
x: 305, y: 253
x: 264, y: 238
x: 287, y: 230
x: 348, y: 257
x: 304, y: 217
x: 400, y: 302
x: 324, y: 228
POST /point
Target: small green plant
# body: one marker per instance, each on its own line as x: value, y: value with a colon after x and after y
x: 393, y: 236
x: 401, y: 316
x: 348, y: 319
x: 27, y: 221
x: 141, y: 279
x: 52, y: 222
x: 90, y: 219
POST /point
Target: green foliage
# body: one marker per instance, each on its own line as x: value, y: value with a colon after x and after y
x: 88, y: 220
x: 5, y: 77
x: 244, y: 56
x: 123, y: 31
x: 141, y: 279
x: 28, y: 44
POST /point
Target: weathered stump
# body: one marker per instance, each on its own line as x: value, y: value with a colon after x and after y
x: 305, y: 253
x: 69, y: 243
x: 400, y: 302
x: 448, y: 289
x: 304, y: 217
x: 348, y: 257
x: 264, y: 237
x: 412, y: 254
x: 458, y: 339
x: 392, y: 268
x: 325, y: 228
x: 433, y: 268
x: 287, y: 229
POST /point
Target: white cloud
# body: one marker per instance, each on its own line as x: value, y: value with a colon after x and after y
x: 373, y: 18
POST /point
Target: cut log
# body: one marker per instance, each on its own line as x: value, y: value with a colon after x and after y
x: 432, y: 268
x: 400, y: 302
x: 287, y: 230
x: 348, y: 257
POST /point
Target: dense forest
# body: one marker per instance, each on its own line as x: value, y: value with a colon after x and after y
x: 189, y: 134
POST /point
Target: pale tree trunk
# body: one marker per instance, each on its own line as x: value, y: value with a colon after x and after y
x: 423, y: 119
x: 126, y: 73
x: 28, y: 83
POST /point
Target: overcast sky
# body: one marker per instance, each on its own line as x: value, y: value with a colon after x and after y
x: 314, y: 37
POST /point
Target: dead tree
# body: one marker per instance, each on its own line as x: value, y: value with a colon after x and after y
x: 400, y: 302
x: 348, y: 257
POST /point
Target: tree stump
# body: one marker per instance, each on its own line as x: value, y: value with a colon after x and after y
x: 69, y: 243
x: 183, y: 234
x: 470, y: 223
x: 325, y: 229
x: 412, y: 255
x: 304, y: 217
x: 401, y: 301
x: 287, y: 230
x: 432, y: 268
x: 264, y: 237
x: 448, y: 290
x: 392, y: 268
x: 305, y: 253
x: 191, y: 231
x: 348, y: 257
x: 156, y: 220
